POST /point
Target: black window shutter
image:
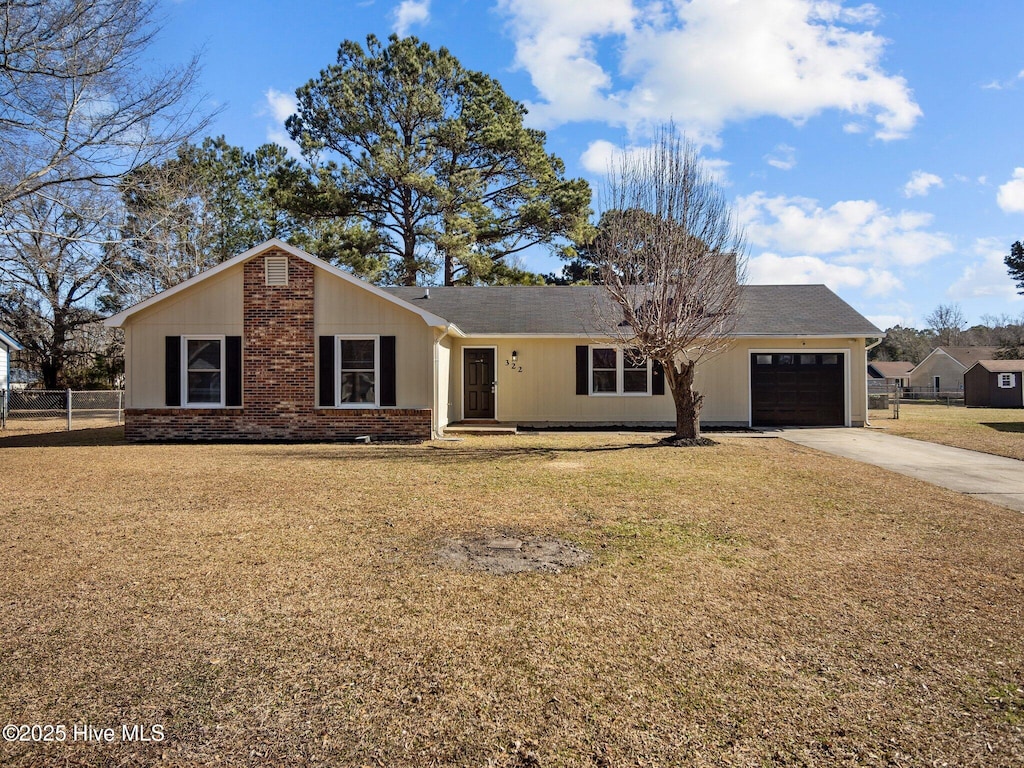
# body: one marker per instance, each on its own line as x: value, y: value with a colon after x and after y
x: 172, y: 370
x: 582, y: 352
x: 327, y: 371
x: 233, y: 374
x: 388, y: 377
x: 657, y: 378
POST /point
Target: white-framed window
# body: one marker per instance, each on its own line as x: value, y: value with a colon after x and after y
x: 358, y: 365
x: 202, y: 371
x: 1007, y: 381
x: 617, y: 371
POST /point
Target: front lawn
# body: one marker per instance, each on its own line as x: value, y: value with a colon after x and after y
x: 990, y: 430
x: 754, y: 603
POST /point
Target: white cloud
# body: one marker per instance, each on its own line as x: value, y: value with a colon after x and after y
x: 1011, y: 194
x: 782, y: 157
x: 921, y: 183
x: 849, y: 231
x: 280, y: 106
x: 599, y: 157
x: 409, y: 13
x: 602, y: 156
x: 986, y: 277
x: 679, y: 59
x: 999, y: 85
x: 772, y: 269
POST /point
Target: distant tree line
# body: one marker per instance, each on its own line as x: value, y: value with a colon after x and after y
x: 947, y: 327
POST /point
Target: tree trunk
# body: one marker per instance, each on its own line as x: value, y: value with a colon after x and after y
x: 687, y: 401
x: 449, y: 268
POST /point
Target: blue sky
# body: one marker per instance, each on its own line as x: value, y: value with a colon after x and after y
x: 877, y: 148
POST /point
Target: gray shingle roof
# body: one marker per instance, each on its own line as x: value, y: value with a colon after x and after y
x: 1002, y: 366
x: 891, y: 369
x: 968, y: 356
x: 765, y: 310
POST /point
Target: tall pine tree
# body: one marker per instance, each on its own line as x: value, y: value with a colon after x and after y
x: 434, y: 160
x: 1015, y: 264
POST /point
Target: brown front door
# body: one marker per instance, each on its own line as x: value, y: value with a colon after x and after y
x: 478, y: 383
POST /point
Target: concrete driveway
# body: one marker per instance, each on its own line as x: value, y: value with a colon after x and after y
x: 992, y: 478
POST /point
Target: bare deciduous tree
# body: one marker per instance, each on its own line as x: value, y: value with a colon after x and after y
x: 53, y: 258
x: 948, y: 322
x: 673, y: 258
x: 75, y: 102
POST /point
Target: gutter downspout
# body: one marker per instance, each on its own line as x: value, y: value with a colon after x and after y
x: 435, y: 433
x: 867, y: 402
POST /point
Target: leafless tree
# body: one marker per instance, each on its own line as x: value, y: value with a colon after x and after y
x: 53, y: 258
x: 166, y: 234
x: 76, y: 104
x: 672, y: 258
x: 948, y: 322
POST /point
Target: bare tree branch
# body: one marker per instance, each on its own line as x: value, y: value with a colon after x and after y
x: 74, y: 104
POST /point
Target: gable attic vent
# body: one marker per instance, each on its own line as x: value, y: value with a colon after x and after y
x: 275, y: 269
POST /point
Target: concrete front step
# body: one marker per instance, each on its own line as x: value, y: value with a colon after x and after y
x: 480, y: 428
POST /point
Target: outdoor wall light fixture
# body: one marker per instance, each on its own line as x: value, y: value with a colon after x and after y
x: 515, y: 356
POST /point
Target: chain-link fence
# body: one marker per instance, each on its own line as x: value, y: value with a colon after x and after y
x: 47, y: 410
x: 887, y: 395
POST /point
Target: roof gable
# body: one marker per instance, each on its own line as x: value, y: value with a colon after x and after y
x: 965, y: 357
x: 275, y: 244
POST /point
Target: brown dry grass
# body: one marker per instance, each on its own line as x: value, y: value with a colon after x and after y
x: 990, y: 430
x: 755, y: 603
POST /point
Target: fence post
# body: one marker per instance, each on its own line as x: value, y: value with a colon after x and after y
x: 120, y: 405
x: 3, y: 411
x: 69, y: 410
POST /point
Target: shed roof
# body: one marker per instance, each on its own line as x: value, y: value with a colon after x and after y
x: 1002, y: 366
x: 765, y: 310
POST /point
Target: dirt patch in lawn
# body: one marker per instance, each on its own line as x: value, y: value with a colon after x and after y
x: 506, y: 554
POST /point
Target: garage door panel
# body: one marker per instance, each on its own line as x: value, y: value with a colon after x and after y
x: 797, y: 390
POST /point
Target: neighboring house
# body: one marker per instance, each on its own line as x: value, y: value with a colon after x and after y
x: 7, y: 346
x: 20, y: 379
x: 891, y: 372
x: 277, y: 344
x: 995, y: 384
x: 944, y: 367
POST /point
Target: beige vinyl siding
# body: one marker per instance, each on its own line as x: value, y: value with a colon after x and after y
x: 545, y: 391
x: 213, y: 306
x: 949, y: 371
x: 341, y: 308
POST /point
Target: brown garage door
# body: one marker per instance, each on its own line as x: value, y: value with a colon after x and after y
x: 798, y: 390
